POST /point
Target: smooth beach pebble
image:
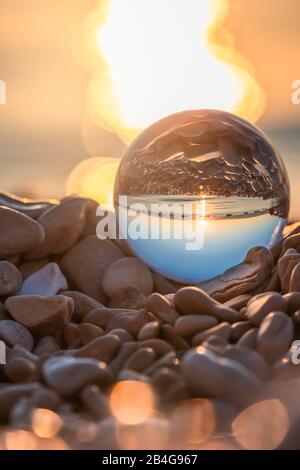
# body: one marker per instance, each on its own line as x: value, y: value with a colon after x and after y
x: 83, y: 304
x: 95, y: 402
x: 85, y: 263
x: 238, y: 329
x: 150, y: 330
x: 238, y: 302
x: 131, y: 322
x: 42, y: 315
x: 162, y: 308
x: 194, y: 301
x: 249, y: 358
x: 10, y: 278
x: 123, y: 335
x: 130, y: 297
x: 63, y: 225
x: 46, y: 345
x: 160, y: 346
x: 213, y: 376
x: 12, y: 333
x: 140, y: 359
x: 169, y: 334
x: 29, y: 267
x: 127, y: 272
x: 286, y: 265
x: 223, y: 330
x: 102, y: 316
x: 87, y: 332
x: 295, y: 279
x: 262, y: 304
x: 21, y: 233
x: 68, y: 375
x: 46, y: 282
x: 275, y: 335
x: 249, y: 339
x: 292, y: 300
x: 45, y: 398
x: 10, y: 394
x: 189, y: 325
x: 19, y: 369
x: 103, y: 348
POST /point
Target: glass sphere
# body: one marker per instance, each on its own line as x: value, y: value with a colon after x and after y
x: 196, y: 190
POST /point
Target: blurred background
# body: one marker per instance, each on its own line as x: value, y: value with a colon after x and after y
x: 83, y: 77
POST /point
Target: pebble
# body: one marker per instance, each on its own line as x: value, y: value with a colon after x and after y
x: 103, y: 316
x: 140, y: 359
x: 238, y: 329
x: 292, y: 241
x: 275, y: 335
x: 42, y: 315
x: 83, y: 304
x: 29, y: 267
x: 238, y: 302
x: 292, y: 302
x: 46, y: 345
x: 95, y: 402
x: 13, y: 333
x: 20, y: 369
x: 85, y: 263
x: 103, y: 348
x: 249, y: 339
x: 262, y: 304
x: 249, y: 358
x: 87, y: 332
x: 189, y: 325
x: 286, y: 265
x: 11, y: 394
x: 10, y: 278
x: 130, y: 297
x: 62, y: 225
x: 21, y: 233
x: 45, y: 398
x: 69, y: 375
x: 194, y: 301
x: 46, y: 282
x: 162, y: 308
x: 216, y: 377
x: 126, y: 272
x: 223, y: 330
x: 169, y: 334
x: 295, y: 279
x: 131, y: 322
x: 123, y: 335
x: 149, y: 330
x: 160, y: 346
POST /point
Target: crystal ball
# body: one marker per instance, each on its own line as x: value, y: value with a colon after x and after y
x: 196, y: 190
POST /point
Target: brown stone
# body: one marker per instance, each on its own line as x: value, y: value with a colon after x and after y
x: 10, y: 278
x: 85, y: 263
x: 19, y: 233
x: 126, y: 272
x: 42, y: 315
x: 63, y: 225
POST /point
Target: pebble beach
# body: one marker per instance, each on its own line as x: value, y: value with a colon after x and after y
x: 101, y: 352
